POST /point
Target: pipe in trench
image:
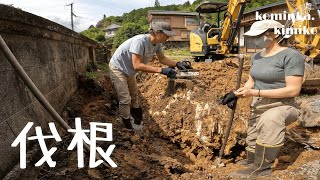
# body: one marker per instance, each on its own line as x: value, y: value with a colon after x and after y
x: 33, y: 88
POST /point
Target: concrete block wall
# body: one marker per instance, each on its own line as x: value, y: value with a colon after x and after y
x: 52, y: 56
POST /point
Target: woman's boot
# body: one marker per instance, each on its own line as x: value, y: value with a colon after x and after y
x: 263, y: 160
x: 249, y: 159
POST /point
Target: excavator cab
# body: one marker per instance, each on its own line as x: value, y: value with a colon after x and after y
x: 199, y: 38
x: 213, y: 42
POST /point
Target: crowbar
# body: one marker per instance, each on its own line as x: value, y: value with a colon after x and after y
x: 221, y: 153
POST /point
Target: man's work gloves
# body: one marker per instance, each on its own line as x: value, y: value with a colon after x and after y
x: 181, y: 65
x: 184, y: 65
x: 169, y: 72
x: 229, y: 99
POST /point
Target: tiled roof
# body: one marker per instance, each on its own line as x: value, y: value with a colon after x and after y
x: 112, y: 26
x: 160, y: 12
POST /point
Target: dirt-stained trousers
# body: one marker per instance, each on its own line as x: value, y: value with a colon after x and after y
x: 266, y: 126
x: 127, y: 90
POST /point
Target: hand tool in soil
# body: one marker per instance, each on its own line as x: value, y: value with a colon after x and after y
x: 35, y: 91
x: 186, y: 74
x: 227, y: 132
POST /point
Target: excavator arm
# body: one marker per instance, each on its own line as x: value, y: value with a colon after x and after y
x: 307, y: 44
x: 231, y: 24
x: 316, y: 39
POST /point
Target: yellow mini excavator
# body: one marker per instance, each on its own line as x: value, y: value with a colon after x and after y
x: 210, y: 42
x: 213, y: 42
x: 308, y: 45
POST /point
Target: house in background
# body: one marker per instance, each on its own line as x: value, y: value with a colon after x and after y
x: 249, y: 18
x: 181, y: 22
x: 111, y: 30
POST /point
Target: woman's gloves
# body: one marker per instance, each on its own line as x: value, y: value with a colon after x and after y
x: 229, y: 99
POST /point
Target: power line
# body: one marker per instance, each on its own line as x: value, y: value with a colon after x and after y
x: 72, y: 14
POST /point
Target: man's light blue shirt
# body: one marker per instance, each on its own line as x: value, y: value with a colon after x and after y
x: 139, y: 44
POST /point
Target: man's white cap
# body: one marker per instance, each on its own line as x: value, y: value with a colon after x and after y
x: 164, y: 27
x: 260, y: 27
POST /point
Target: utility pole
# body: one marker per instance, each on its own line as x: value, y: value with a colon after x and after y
x: 72, y: 14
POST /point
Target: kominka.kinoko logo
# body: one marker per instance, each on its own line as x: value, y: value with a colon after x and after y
x: 284, y: 16
x: 293, y: 17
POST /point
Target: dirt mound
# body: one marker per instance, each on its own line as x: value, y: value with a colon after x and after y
x: 190, y: 114
x: 182, y: 131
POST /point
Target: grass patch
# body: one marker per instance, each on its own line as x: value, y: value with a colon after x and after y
x: 103, y: 66
x: 177, y: 54
x: 92, y: 75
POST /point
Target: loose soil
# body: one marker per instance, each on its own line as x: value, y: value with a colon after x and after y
x: 182, y: 130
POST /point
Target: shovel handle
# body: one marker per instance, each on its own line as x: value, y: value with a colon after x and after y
x: 221, y: 153
x: 268, y: 106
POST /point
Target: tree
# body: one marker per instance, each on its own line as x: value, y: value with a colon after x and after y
x: 196, y: 2
x: 257, y: 3
x: 156, y: 3
x: 99, y: 24
x: 93, y: 33
x: 138, y: 17
x: 100, y: 38
x: 112, y: 20
x: 127, y: 31
x: 187, y: 3
x: 108, y: 41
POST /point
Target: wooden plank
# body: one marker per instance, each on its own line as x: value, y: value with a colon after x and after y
x: 311, y: 82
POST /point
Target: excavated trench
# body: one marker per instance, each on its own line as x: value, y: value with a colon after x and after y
x: 183, y: 125
x: 182, y: 131
x: 189, y: 113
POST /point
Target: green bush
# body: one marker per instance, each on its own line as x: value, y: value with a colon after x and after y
x: 100, y: 38
x: 103, y: 66
x: 92, y: 75
x: 93, y: 33
x: 127, y: 31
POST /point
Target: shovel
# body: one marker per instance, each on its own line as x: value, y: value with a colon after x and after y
x: 221, y: 153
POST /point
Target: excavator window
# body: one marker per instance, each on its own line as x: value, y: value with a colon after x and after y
x: 213, y: 32
x: 206, y: 27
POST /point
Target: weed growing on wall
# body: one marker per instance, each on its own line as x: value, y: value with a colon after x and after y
x: 92, y: 75
x: 103, y: 66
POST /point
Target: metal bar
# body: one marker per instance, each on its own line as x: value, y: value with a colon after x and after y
x: 241, y: 61
x: 236, y: 25
x: 33, y: 88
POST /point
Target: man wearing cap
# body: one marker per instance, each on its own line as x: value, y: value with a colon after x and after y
x: 275, y: 78
x: 132, y: 56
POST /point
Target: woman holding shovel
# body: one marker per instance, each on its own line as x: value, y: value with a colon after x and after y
x: 275, y: 78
